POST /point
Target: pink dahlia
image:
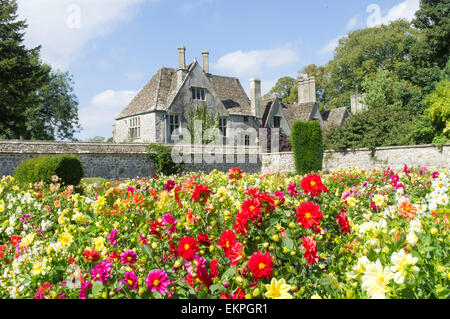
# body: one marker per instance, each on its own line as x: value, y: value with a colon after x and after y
x: 128, y: 257
x: 131, y: 280
x: 102, y: 272
x: 168, y: 219
x: 112, y: 237
x: 157, y: 281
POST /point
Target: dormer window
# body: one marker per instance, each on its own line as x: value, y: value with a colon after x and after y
x: 198, y: 94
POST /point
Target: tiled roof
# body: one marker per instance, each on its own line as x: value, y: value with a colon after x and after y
x: 230, y: 91
x: 298, y: 112
x: 334, y: 117
x: 154, y: 95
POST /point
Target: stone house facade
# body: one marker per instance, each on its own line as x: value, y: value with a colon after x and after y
x: 161, y: 108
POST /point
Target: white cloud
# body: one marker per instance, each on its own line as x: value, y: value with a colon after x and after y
x: 65, y: 27
x: 403, y: 10
x: 330, y: 46
x: 242, y: 64
x: 97, y: 118
x: 352, y: 23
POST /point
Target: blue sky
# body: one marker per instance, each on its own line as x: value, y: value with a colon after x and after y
x: 113, y: 47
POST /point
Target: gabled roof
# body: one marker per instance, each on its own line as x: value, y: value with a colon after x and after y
x: 298, y: 112
x: 230, y: 91
x: 266, y: 106
x: 154, y: 95
x: 160, y: 91
x: 334, y: 117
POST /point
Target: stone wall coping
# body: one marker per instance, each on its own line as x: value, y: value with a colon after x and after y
x: 388, y: 148
x: 61, y: 147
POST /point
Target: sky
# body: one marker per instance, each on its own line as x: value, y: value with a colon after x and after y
x: 112, y: 48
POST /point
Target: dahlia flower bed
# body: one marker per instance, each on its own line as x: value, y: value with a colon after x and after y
x: 339, y: 234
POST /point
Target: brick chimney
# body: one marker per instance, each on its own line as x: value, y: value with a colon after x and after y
x: 205, y: 55
x: 255, y: 97
x: 307, y: 90
x: 181, y: 71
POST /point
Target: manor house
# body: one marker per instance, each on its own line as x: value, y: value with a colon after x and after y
x: 163, y: 105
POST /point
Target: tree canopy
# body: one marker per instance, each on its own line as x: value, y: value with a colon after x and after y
x: 35, y: 101
x: 402, y: 67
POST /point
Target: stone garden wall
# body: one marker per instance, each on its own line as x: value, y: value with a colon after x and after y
x: 110, y: 160
x: 394, y: 157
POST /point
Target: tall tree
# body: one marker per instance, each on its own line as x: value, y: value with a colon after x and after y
x: 361, y: 54
x: 283, y: 89
x: 20, y: 73
x: 55, y: 116
x: 433, y: 18
x: 35, y: 102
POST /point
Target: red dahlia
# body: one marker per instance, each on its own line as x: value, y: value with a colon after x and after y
x: 343, y: 222
x: 251, y: 208
x: 201, y: 194
x: 308, y: 214
x: 227, y: 240
x: 91, y: 255
x: 188, y: 247
x: 235, y: 173
x: 260, y: 265
x: 312, y: 184
x: 311, y: 251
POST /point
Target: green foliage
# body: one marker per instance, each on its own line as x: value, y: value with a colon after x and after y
x: 423, y: 131
x: 35, y: 102
x: 438, y: 110
x: 55, y: 115
x: 379, y: 126
x: 387, y: 89
x: 208, y: 121
x: 67, y: 167
x: 361, y: 54
x: 433, y: 18
x: 161, y: 156
x: 307, y: 145
x: 284, y: 88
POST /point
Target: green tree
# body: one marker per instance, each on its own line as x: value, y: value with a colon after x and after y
x: 35, y: 102
x: 55, y: 116
x: 361, y: 54
x: 438, y: 111
x: 283, y: 88
x: 433, y: 18
x: 21, y: 75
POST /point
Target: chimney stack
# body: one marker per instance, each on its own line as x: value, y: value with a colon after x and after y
x: 357, y: 103
x: 255, y: 97
x: 181, y: 65
x: 307, y: 90
x: 205, y: 55
x: 182, y: 57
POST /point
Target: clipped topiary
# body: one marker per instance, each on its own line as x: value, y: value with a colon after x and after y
x: 25, y: 171
x: 67, y: 167
x: 307, y: 145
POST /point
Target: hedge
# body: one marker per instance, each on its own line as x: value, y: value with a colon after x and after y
x: 67, y: 167
x: 307, y: 145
